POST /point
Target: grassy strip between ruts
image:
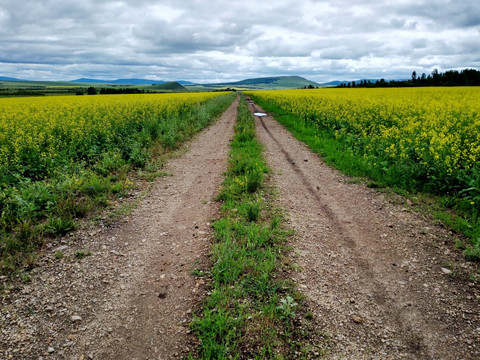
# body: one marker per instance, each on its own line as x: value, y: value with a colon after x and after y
x: 252, y: 310
x: 32, y: 211
x: 333, y: 153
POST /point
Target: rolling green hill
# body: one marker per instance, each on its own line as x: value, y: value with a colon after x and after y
x: 270, y: 83
x: 41, y: 88
x: 171, y: 85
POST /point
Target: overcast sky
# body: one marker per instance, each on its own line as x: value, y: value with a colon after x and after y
x: 209, y: 41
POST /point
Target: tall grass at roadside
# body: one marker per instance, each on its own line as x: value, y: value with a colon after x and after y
x: 46, y: 198
x: 251, y: 311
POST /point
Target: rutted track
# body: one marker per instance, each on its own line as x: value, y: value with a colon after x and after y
x: 370, y: 269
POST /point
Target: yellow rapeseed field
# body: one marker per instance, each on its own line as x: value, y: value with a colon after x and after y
x: 42, y: 127
x: 65, y: 157
x: 417, y: 139
x: 436, y: 128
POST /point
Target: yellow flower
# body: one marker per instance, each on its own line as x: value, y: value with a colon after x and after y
x: 438, y: 128
x: 59, y: 124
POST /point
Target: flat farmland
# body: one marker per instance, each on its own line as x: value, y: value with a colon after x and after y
x: 288, y: 257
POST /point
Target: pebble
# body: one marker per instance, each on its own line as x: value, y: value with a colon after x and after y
x: 357, y: 319
x: 51, y: 350
x: 446, y: 271
x: 76, y: 318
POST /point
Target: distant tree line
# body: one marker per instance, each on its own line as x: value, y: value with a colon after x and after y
x: 467, y: 77
x: 105, y: 91
x: 226, y: 89
x: 21, y: 92
x: 108, y: 91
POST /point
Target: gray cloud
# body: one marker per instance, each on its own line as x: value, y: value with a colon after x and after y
x: 218, y: 40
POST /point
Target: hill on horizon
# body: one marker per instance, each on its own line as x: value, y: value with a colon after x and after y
x: 171, y: 85
x: 6, y: 78
x: 118, y: 81
x: 274, y: 82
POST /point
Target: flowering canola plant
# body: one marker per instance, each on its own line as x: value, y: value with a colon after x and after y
x: 37, y: 132
x: 437, y: 130
x: 64, y: 157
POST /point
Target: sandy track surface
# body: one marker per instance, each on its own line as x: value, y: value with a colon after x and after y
x: 371, y: 269
x: 134, y: 296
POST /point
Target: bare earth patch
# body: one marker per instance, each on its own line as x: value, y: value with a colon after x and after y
x: 383, y: 281
x: 134, y: 296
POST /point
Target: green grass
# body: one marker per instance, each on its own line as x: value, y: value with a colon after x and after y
x: 457, y: 213
x: 80, y: 254
x: 172, y: 85
x: 31, y: 211
x: 251, y: 311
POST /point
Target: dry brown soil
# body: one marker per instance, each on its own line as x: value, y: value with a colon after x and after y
x: 134, y: 296
x: 371, y: 267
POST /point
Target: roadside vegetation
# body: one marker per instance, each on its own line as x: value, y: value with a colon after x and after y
x: 65, y: 158
x: 416, y: 141
x: 252, y: 311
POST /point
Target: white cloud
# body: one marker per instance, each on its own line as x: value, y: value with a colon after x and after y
x: 216, y: 40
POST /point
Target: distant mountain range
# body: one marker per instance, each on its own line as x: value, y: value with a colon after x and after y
x: 5, y: 78
x: 276, y: 82
x: 102, y: 81
x: 127, y: 81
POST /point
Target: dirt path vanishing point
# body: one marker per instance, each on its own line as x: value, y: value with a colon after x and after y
x: 374, y: 272
x: 133, y: 298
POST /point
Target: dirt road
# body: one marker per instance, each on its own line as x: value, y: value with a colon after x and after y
x: 382, y: 281
x: 374, y: 272
x: 133, y: 298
